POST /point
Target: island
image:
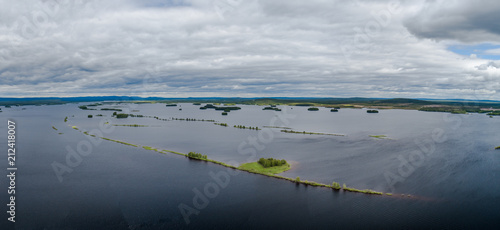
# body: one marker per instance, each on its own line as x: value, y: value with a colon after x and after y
x: 266, y: 166
x: 372, y: 111
x: 313, y: 109
x: 272, y: 108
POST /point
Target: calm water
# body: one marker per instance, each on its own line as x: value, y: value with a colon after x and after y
x: 454, y: 178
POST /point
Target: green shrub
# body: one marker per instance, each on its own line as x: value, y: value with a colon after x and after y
x: 121, y: 115
x: 197, y: 155
x: 270, y: 162
x: 335, y: 185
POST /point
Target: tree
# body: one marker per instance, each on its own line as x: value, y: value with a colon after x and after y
x: 336, y: 185
x: 121, y: 115
x: 297, y: 179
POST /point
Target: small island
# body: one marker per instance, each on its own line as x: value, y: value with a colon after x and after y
x: 171, y: 105
x: 271, y: 108
x: 313, y: 109
x: 334, y: 110
x: 498, y: 147
x: 121, y: 115
x: 266, y: 166
x: 372, y: 111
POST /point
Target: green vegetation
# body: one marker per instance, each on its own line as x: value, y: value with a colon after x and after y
x: 121, y: 115
x: 256, y: 167
x: 133, y: 125
x: 453, y: 109
x: 148, y: 148
x: 74, y: 127
x: 271, y: 108
x: 66, y: 119
x: 196, y: 103
x: 189, y: 119
x: 336, y: 185
x: 270, y: 162
x: 372, y: 111
x: 121, y: 142
x: 379, y: 136
x: 313, y: 109
x: 83, y: 107
x: 110, y: 109
x: 170, y: 105
x: 54, y: 128
x: 334, y: 110
x: 245, y: 127
x: 224, y: 113
x: 498, y: 147
x: 224, y: 108
x: 90, y: 116
x: 310, y: 133
x: 227, y: 108
x: 494, y: 113
x: 276, y: 127
x: 221, y: 124
x: 297, y: 179
x: 303, y: 104
x: 99, y: 115
x: 366, y: 191
x: 196, y: 155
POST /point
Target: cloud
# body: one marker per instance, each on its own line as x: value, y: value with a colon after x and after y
x: 246, y: 48
x: 466, y: 21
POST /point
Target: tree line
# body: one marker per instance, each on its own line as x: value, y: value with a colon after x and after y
x: 270, y: 162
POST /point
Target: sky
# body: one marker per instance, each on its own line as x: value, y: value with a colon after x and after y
x: 251, y: 48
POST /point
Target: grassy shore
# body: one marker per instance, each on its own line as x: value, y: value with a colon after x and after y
x: 310, y: 133
x: 256, y: 167
x: 134, y: 125
x: 379, y: 136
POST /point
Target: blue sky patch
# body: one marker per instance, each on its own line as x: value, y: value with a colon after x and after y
x: 484, y: 50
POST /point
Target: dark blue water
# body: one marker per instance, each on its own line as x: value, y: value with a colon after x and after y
x: 455, y: 183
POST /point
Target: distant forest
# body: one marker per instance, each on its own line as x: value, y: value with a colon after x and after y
x: 452, y: 105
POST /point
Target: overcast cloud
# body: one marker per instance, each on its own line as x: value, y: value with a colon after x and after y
x: 248, y: 48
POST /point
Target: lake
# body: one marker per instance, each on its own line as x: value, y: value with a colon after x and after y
x: 446, y: 162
